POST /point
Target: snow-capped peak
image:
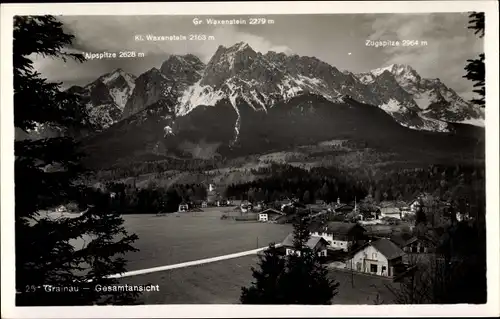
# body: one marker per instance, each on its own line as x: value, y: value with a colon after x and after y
x: 230, y: 54
x: 112, y: 76
x: 431, y: 98
x: 106, y: 97
x: 245, y: 78
x: 396, y: 69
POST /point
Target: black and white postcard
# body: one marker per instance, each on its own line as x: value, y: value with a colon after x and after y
x: 250, y: 159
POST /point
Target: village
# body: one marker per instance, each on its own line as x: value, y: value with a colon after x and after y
x: 362, y: 237
x: 371, y: 243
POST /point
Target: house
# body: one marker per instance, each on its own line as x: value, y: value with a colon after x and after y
x: 61, y: 209
x: 381, y: 257
x: 315, y: 243
x: 420, y: 244
x: 183, y: 207
x: 344, y: 209
x: 339, y: 235
x: 400, y: 239
x: 222, y: 202
x: 280, y: 203
x: 375, y: 214
x: 462, y: 216
x: 319, y: 202
x: 414, y: 205
x: 245, y: 207
x: 315, y: 208
x: 391, y: 212
x: 270, y: 214
x: 319, y: 215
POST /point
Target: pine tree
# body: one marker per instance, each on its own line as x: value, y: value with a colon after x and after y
x: 266, y: 287
x: 475, y: 67
x: 476, y: 23
x: 46, y: 175
x: 306, y: 198
x: 306, y: 280
x: 298, y: 278
x: 325, y: 191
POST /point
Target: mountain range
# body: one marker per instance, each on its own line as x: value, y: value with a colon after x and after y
x: 262, y: 80
x: 243, y: 99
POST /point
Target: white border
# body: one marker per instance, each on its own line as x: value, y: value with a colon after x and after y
x: 244, y: 8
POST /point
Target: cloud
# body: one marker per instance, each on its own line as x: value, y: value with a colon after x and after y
x: 227, y: 36
x: 445, y: 44
x: 117, y: 34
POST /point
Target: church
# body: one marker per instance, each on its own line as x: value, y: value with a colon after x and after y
x: 212, y: 194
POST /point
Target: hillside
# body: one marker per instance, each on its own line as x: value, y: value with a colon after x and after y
x: 208, y: 132
x: 243, y: 102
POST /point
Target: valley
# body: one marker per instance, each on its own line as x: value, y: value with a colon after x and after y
x: 178, y: 165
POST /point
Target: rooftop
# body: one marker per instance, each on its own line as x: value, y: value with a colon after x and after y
x: 389, y: 249
x: 272, y: 210
x: 390, y: 210
x: 344, y: 207
x: 424, y: 238
x: 311, y: 243
x: 379, y: 228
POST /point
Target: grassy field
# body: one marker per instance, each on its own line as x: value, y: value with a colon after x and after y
x: 171, y: 239
x: 221, y: 282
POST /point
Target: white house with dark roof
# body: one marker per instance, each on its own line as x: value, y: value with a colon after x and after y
x: 315, y: 243
x: 270, y: 214
x: 339, y: 235
x: 183, y: 207
x: 380, y: 257
x: 391, y: 212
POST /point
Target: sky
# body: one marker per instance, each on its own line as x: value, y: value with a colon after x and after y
x: 445, y: 42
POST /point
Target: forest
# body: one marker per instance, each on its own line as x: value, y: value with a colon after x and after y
x: 462, y: 186
x: 330, y: 183
x: 128, y: 199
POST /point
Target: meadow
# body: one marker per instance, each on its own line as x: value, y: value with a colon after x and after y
x: 221, y: 282
x: 176, y: 238
x: 191, y: 236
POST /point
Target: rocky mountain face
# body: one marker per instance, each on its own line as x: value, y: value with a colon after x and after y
x: 430, y: 99
x: 176, y: 74
x: 107, y: 96
x: 245, y: 101
x: 105, y: 99
x: 262, y: 80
